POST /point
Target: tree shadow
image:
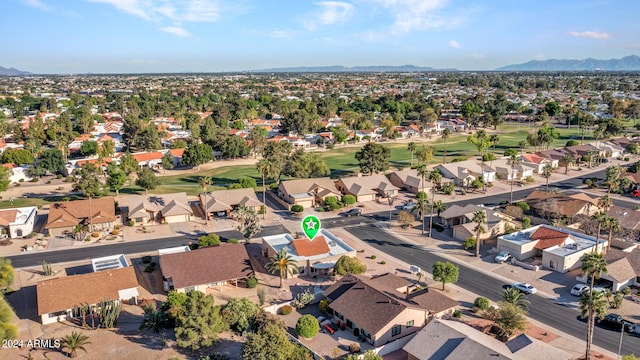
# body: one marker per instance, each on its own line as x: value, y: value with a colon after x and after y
x: 24, y: 303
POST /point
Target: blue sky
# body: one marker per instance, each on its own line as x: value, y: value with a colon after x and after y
x: 115, y: 36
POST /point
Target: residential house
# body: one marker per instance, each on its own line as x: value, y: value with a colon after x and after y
x: 223, y: 202
x: 18, y: 222
x: 623, y: 265
x: 537, y: 162
x: 307, y: 192
x: 453, y: 340
x: 560, y: 249
x: 463, y: 173
x: 159, y: 209
x: 185, y: 271
x: 367, y: 188
x: 505, y: 171
x: 554, y: 155
x: 629, y: 220
x: 63, y: 217
x: 558, y: 206
x: 17, y: 174
x: 408, y: 179
x: 316, y: 256
x: 610, y: 149
x: 459, y: 218
x: 59, y: 298
x: 384, y: 308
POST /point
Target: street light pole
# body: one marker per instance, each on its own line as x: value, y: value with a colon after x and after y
x: 621, y: 334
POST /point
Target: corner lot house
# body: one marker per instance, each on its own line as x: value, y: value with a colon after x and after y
x: 560, y: 249
x: 384, y: 308
x: 623, y: 265
x: 453, y: 340
x: 537, y: 163
x: 408, y: 179
x: 222, y: 202
x: 59, y: 298
x: 159, y: 209
x: 64, y: 216
x: 316, y: 256
x: 18, y: 222
x: 205, y: 268
x: 557, y: 206
x: 367, y: 188
x: 459, y: 218
x: 307, y: 192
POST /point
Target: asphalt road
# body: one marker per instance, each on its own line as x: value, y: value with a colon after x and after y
x: 133, y: 247
x: 540, y: 309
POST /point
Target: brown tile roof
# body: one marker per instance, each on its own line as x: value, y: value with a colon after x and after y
x: 548, y: 238
x: 7, y: 216
x: 629, y: 219
x: 361, y: 185
x: 223, y: 200
x: 302, y: 186
x: 557, y: 204
x: 205, y: 266
x: 306, y: 247
x: 72, y: 213
x: 166, y: 204
x: 67, y: 292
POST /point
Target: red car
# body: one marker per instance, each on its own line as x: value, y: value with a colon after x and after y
x: 635, y: 193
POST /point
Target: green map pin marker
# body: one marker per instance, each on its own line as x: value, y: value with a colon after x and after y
x: 310, y: 226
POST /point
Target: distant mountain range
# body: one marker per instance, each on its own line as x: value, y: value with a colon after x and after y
x: 342, y: 69
x: 627, y: 63
x: 12, y: 72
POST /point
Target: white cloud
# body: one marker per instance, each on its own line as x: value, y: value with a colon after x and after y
x: 590, y: 34
x: 454, y: 44
x: 410, y: 15
x: 476, y: 56
x: 37, y: 4
x: 176, y: 10
x: 281, y: 34
x: 539, y: 57
x: 331, y: 12
x: 175, y: 30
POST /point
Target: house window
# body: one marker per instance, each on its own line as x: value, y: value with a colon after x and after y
x: 301, y: 270
x: 189, y: 288
x: 395, y: 331
x: 349, y: 324
x: 410, y: 323
x: 339, y: 316
x: 139, y: 219
x: 19, y: 232
x: 58, y: 313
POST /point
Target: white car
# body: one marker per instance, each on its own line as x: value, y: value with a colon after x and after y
x: 409, y: 205
x: 578, y: 289
x: 525, y: 288
x: 503, y: 256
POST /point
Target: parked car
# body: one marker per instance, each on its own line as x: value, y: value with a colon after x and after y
x: 635, y: 193
x: 578, y: 289
x: 503, y: 256
x: 525, y: 288
x: 352, y: 212
x: 616, y: 322
x: 409, y: 205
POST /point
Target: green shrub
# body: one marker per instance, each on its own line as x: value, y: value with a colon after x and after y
x: 233, y: 241
x: 130, y: 223
x: 372, y: 257
x: 354, y: 347
x: 382, y: 262
x: 324, y: 306
x: 297, y: 208
x: 572, y: 143
x: 252, y: 282
x: 457, y: 314
x: 307, y: 326
x: 349, y: 199
x: 459, y: 159
x: 22, y: 180
x: 209, y: 240
x: 349, y: 265
x: 469, y: 243
x: 530, y: 179
x: 523, y: 205
x: 482, y: 303
x: 332, y: 202
x: 285, y: 310
x: 526, y: 223
x: 273, y: 186
x: 477, y: 184
x: 488, y: 157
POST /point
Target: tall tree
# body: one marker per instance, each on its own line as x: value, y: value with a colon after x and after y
x: 568, y: 160
x: 167, y: 161
x: 480, y: 218
x: 283, y: 264
x: 248, y: 222
x: 613, y: 225
x: 373, y: 158
x: 4, y: 178
x: 599, y: 217
x: 263, y: 166
x: 446, y: 133
x: 116, y: 178
x: 547, y: 171
x: 147, y: 179
x: 128, y: 163
x: 592, y: 265
x: 411, y: 147
x: 199, y: 322
x: 197, y: 154
x: 8, y: 330
x: 592, y: 305
x: 423, y: 172
x: 514, y: 160
x: 6, y: 274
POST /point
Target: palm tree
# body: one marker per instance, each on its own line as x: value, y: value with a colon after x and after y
x: 411, y: 147
x: 264, y: 166
x: 445, y: 135
x: 421, y: 203
x: 605, y: 203
x: 153, y: 320
x: 591, y: 306
x: 522, y: 144
x: 493, y: 139
x: 599, y: 217
x: 435, y: 177
x: 568, y: 161
x: 283, y: 264
x: 204, y: 182
x: 514, y: 161
x: 593, y: 265
x: 480, y: 218
x: 423, y: 171
x: 515, y: 297
x: 547, y: 171
x: 74, y: 342
x: 439, y: 206
x: 433, y: 200
x: 590, y: 154
x: 613, y: 225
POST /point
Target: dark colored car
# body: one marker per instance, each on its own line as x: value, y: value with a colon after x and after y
x: 616, y: 322
x: 353, y: 212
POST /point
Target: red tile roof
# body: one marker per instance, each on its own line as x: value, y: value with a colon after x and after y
x: 305, y: 247
x: 548, y: 238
